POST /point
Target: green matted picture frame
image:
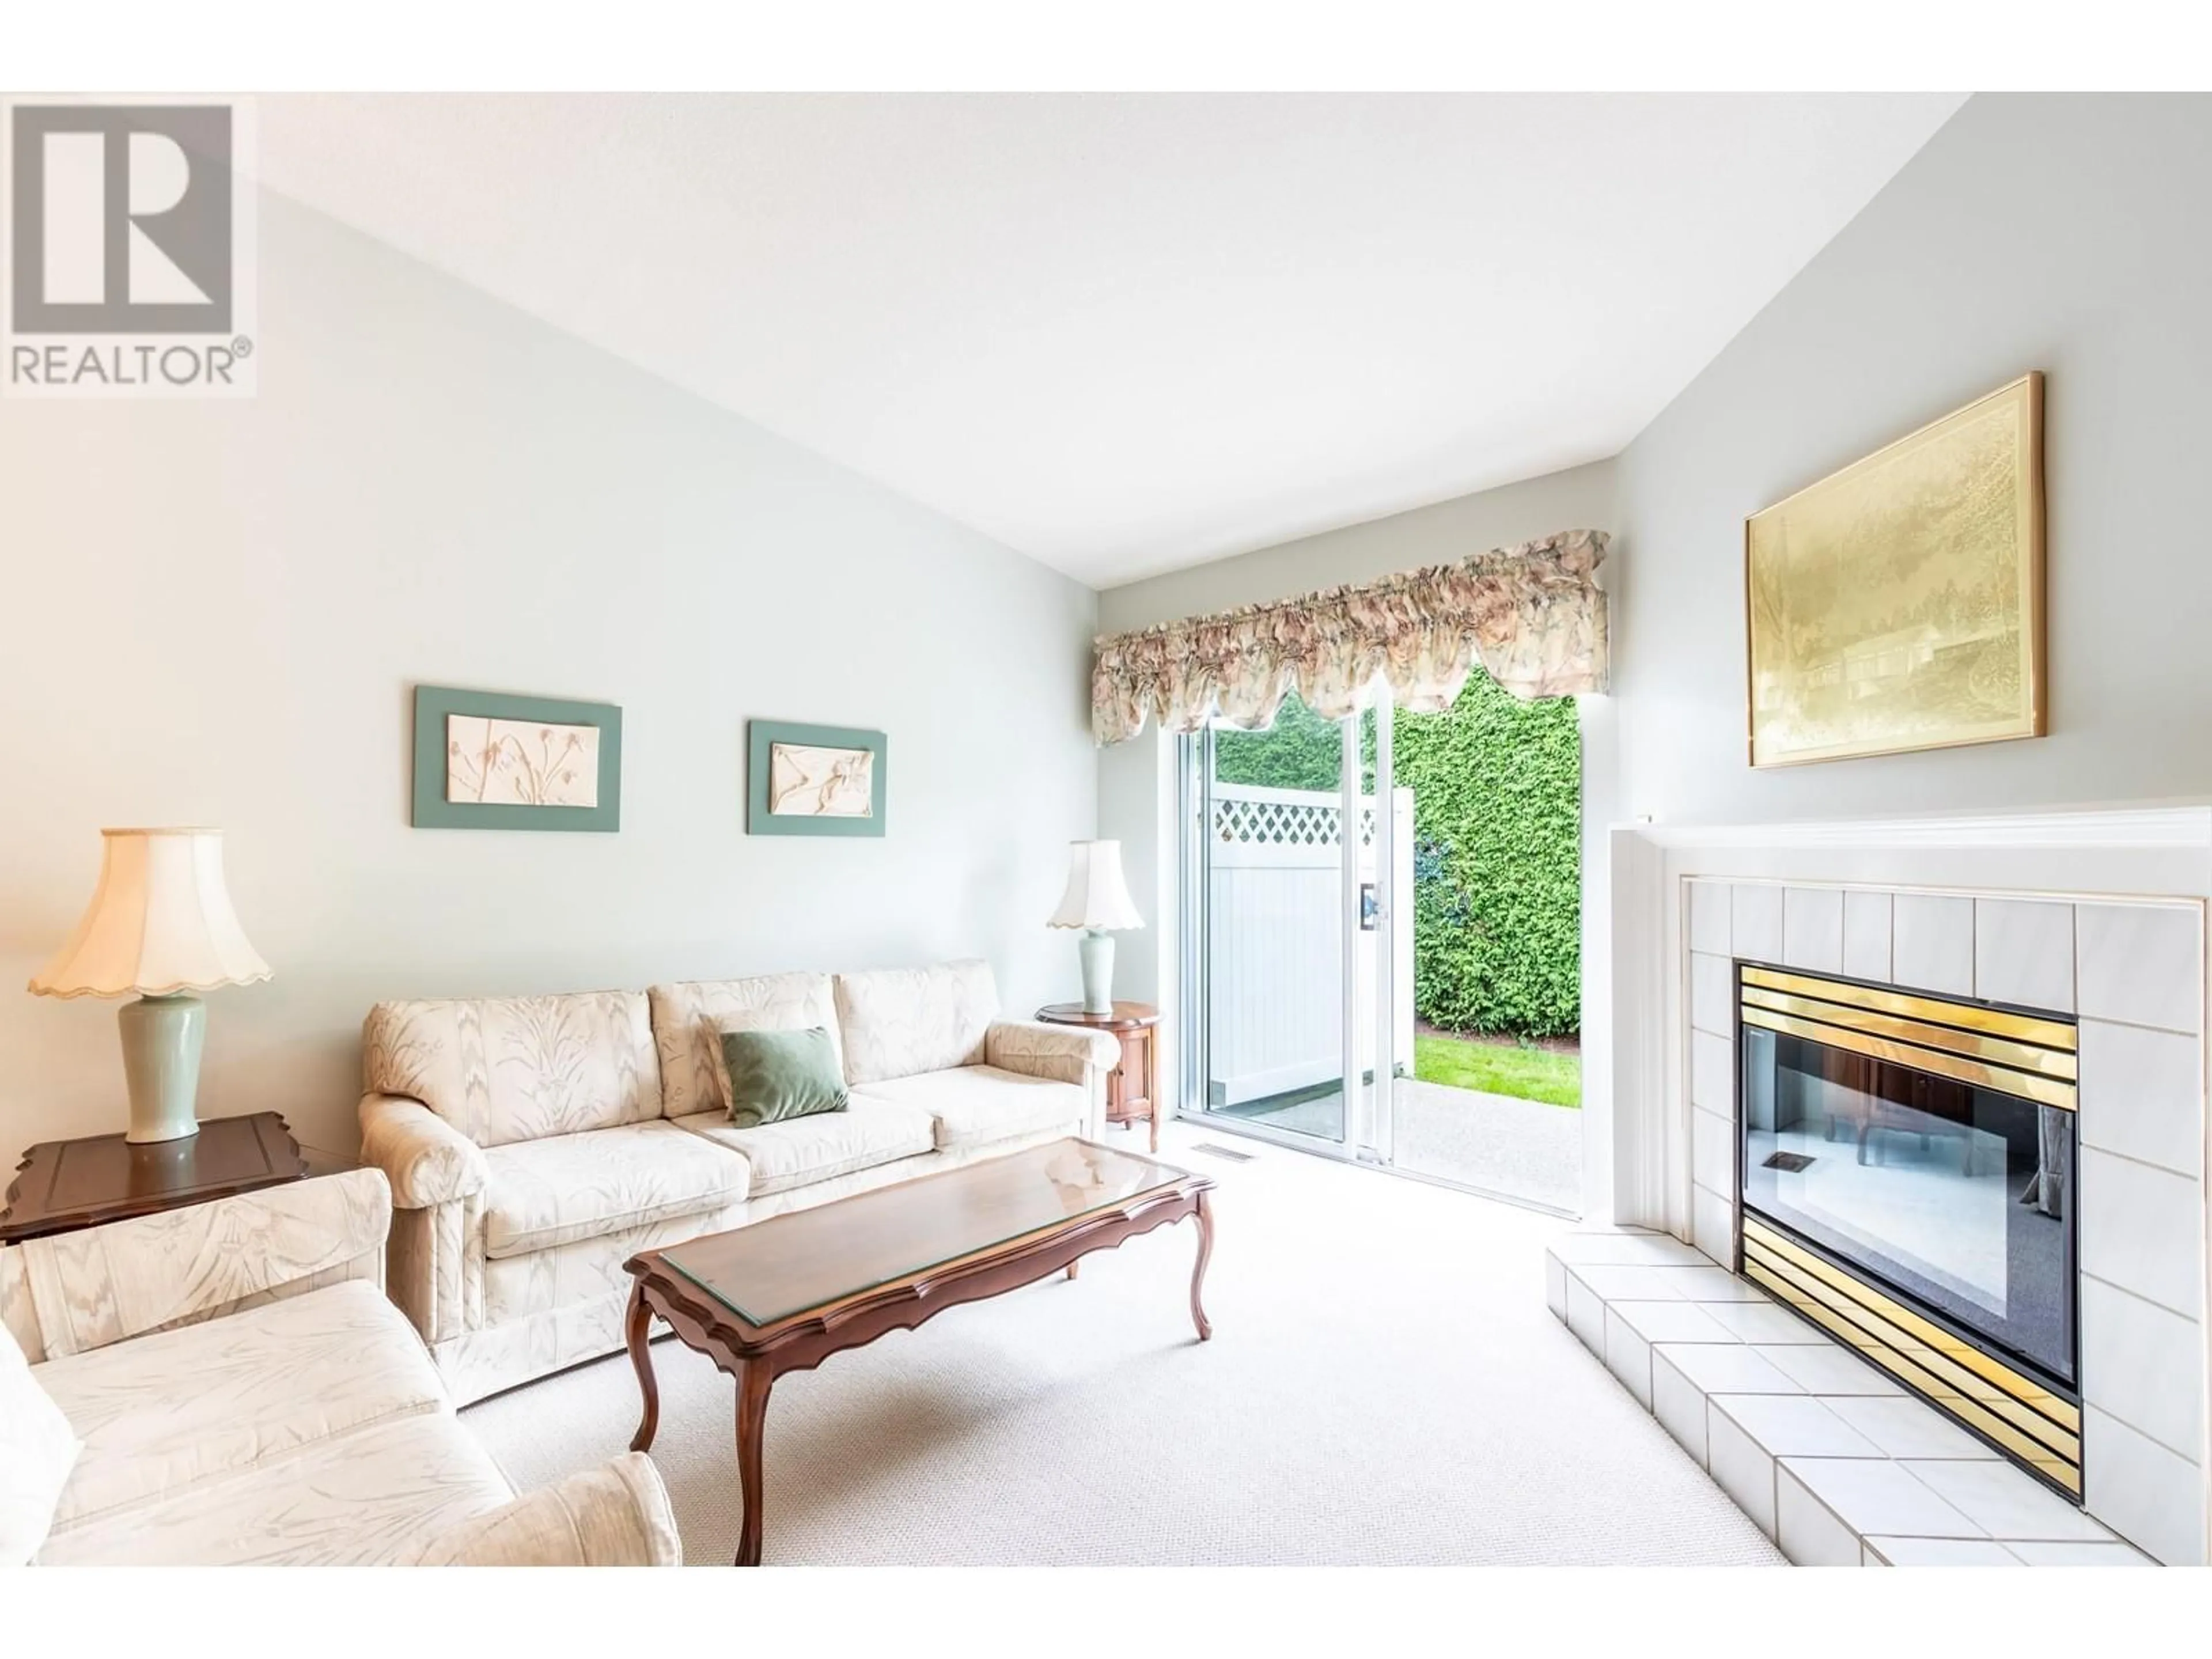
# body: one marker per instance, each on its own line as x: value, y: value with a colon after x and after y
x: 762, y: 740
x: 434, y: 704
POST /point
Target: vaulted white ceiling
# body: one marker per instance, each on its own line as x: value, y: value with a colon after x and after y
x: 1126, y: 332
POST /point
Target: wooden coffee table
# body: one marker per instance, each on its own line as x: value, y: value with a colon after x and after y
x: 784, y: 1294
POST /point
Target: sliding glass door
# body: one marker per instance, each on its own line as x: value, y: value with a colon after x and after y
x: 1301, y: 907
x: 1271, y: 893
x: 1294, y: 980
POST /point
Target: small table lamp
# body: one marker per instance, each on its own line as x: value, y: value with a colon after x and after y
x: 159, y: 924
x: 1097, y: 899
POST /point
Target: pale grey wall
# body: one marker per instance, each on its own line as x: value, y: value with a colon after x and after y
x: 213, y: 612
x: 1136, y: 779
x: 2068, y: 234
x: 1581, y: 496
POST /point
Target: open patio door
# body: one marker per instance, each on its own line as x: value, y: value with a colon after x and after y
x: 1295, y: 978
x: 1298, y: 936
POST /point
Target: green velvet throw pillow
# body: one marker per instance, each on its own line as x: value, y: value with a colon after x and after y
x: 775, y: 1075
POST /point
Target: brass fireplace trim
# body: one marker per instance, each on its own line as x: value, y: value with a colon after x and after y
x: 1998, y: 1022
x: 1983, y: 1074
x: 1909, y: 1330
x: 2059, y: 1063
x: 2005, y: 1406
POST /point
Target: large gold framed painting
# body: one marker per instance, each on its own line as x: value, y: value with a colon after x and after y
x: 1898, y: 603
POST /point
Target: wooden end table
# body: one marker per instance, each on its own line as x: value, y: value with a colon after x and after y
x: 784, y: 1294
x: 1133, y: 1090
x: 63, y: 1185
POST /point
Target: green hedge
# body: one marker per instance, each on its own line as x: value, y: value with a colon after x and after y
x: 1300, y: 751
x: 1497, y: 790
x: 1497, y: 853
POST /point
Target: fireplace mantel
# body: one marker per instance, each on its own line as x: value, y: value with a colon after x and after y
x: 2178, y: 827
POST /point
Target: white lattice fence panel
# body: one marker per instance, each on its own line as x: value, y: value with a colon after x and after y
x: 1269, y: 819
x: 1275, y: 939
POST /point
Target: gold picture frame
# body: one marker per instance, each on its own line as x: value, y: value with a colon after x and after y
x: 1898, y: 604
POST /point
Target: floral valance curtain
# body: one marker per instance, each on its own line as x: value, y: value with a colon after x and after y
x: 1533, y: 615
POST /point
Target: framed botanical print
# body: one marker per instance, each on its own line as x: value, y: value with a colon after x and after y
x: 1898, y: 604
x: 814, y: 780
x: 484, y: 759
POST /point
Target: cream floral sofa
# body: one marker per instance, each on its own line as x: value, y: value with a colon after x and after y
x: 244, y: 1393
x: 536, y: 1144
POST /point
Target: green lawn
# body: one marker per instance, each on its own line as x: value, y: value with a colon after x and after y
x: 1499, y: 1065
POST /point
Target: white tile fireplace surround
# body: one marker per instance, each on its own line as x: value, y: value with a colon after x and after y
x: 2095, y: 914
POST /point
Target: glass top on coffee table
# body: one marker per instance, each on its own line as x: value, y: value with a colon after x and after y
x: 794, y: 1264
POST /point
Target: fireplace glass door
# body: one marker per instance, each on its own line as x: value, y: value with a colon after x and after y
x: 1918, y: 1155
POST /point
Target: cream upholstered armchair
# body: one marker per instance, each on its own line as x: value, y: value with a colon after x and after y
x: 239, y: 1391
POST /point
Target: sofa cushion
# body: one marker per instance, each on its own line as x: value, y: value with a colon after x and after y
x: 359, y: 1500
x: 689, y: 1016
x: 166, y: 1411
x: 975, y: 1105
x: 565, y: 1278
x: 505, y: 1069
x: 38, y: 1445
x: 906, y: 1020
x: 803, y: 1150
x: 545, y: 1193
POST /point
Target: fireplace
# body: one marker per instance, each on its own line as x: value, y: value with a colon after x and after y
x: 1906, y: 1169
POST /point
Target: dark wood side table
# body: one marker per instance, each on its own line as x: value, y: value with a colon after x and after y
x: 63, y: 1185
x: 1132, y: 1091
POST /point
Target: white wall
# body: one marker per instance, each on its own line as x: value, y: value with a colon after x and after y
x: 2060, y: 233
x: 1136, y: 799
x: 213, y: 612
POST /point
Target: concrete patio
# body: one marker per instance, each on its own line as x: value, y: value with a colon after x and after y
x: 1518, y: 1148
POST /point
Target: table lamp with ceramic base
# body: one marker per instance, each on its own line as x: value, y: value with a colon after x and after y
x: 1096, y: 900
x: 159, y: 924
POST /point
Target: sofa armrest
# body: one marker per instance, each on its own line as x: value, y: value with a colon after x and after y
x: 1066, y: 1053
x: 615, y: 1516
x: 108, y: 1284
x: 1069, y: 1053
x: 427, y: 1160
x: 439, y: 1178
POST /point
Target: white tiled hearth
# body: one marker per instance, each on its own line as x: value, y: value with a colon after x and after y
x: 2099, y: 914
x: 2140, y: 1126
x: 1835, y: 1462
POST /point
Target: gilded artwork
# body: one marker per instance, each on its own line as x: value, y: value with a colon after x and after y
x: 807, y: 782
x: 1898, y: 604
x: 521, y: 762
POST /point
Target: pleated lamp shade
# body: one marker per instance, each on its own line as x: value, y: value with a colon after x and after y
x: 1096, y: 896
x: 160, y: 922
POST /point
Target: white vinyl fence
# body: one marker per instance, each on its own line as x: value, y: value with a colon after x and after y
x: 1275, y: 940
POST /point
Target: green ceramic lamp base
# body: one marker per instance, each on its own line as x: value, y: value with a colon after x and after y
x: 161, y: 1041
x: 1096, y: 948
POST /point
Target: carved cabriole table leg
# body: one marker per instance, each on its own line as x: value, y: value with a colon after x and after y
x: 637, y: 1329
x: 754, y: 1380
x: 1204, y: 1214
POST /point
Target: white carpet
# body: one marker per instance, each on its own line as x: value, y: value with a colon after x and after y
x: 1384, y: 1385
